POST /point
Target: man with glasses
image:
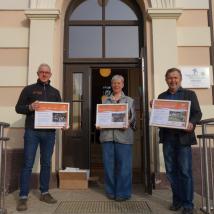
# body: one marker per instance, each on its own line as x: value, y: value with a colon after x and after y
x: 45, y: 138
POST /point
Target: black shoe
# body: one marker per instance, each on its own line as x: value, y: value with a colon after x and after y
x: 120, y: 199
x: 175, y: 207
x: 22, y: 204
x: 47, y: 198
x: 110, y: 197
x: 187, y: 211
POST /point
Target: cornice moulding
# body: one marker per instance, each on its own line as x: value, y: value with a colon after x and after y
x: 42, y: 14
x: 164, y: 13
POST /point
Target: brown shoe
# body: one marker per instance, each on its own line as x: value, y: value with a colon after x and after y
x: 47, y: 198
x: 22, y: 204
x: 175, y: 207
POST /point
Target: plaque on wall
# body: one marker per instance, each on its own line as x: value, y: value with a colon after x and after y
x: 195, y: 77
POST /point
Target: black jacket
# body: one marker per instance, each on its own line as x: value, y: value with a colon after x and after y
x: 185, y: 138
x: 38, y: 91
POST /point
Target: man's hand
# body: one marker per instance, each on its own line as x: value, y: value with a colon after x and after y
x: 190, y: 127
x: 34, y: 106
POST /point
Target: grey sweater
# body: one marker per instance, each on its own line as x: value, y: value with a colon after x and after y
x: 124, y: 136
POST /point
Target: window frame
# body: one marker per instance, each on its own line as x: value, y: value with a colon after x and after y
x: 103, y: 23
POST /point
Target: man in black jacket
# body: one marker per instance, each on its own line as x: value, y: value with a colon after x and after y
x: 45, y: 138
x: 177, y: 145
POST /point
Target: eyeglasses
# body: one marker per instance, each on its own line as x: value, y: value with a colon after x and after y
x: 45, y: 72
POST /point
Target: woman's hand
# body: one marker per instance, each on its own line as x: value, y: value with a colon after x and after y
x: 64, y: 128
x: 151, y: 102
x: 98, y: 127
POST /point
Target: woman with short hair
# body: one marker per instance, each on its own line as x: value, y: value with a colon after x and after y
x: 117, y: 147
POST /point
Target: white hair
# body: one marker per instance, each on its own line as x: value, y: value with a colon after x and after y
x: 117, y: 77
x: 44, y: 65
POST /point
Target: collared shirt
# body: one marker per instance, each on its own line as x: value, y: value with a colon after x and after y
x: 175, y: 96
x: 171, y: 134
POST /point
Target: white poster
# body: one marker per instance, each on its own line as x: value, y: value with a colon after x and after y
x: 112, y: 115
x: 170, y: 113
x: 52, y: 115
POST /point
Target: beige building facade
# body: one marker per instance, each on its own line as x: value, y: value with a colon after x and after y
x: 176, y: 33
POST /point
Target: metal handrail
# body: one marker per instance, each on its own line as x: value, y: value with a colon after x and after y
x: 207, y: 121
x: 3, y: 149
x: 206, y: 136
x: 206, y: 144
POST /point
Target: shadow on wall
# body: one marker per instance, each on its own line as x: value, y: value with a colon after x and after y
x: 14, y: 155
x: 14, y: 162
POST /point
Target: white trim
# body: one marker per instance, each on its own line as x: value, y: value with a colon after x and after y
x: 42, y: 14
x: 164, y: 13
x: 41, y: 45
x: 163, y: 32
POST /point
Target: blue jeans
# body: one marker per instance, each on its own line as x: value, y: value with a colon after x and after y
x: 178, y: 163
x: 117, y: 159
x: 33, y: 138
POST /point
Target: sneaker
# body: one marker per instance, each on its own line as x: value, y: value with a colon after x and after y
x: 120, y: 199
x: 175, y: 207
x: 187, y: 211
x: 22, y: 204
x: 110, y: 197
x: 47, y: 198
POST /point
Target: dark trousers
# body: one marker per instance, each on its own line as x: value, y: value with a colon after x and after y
x: 46, y: 141
x: 178, y: 163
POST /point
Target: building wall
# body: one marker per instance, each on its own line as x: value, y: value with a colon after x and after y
x: 14, y: 29
x: 188, y: 34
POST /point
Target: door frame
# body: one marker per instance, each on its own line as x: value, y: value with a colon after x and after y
x: 119, y: 62
x: 146, y: 165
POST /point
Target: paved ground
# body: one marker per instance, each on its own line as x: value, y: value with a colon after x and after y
x: 159, y: 201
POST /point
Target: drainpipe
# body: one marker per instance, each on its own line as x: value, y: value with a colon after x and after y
x: 211, y: 23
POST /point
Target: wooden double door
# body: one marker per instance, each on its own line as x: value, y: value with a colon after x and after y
x: 84, y: 88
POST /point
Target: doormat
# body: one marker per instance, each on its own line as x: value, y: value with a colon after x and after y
x: 103, y: 207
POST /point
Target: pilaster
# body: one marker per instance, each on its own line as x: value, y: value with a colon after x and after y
x: 41, y: 39
x: 164, y: 39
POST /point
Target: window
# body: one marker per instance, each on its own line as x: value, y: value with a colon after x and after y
x: 85, y: 41
x: 76, y: 116
x: 103, y: 29
x: 88, y: 10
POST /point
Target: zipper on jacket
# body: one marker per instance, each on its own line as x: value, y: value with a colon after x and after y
x: 45, y: 94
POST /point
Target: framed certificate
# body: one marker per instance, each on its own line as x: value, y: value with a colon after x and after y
x: 170, y: 113
x: 52, y: 115
x: 112, y: 115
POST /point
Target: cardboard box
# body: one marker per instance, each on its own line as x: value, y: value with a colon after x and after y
x: 73, y: 180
